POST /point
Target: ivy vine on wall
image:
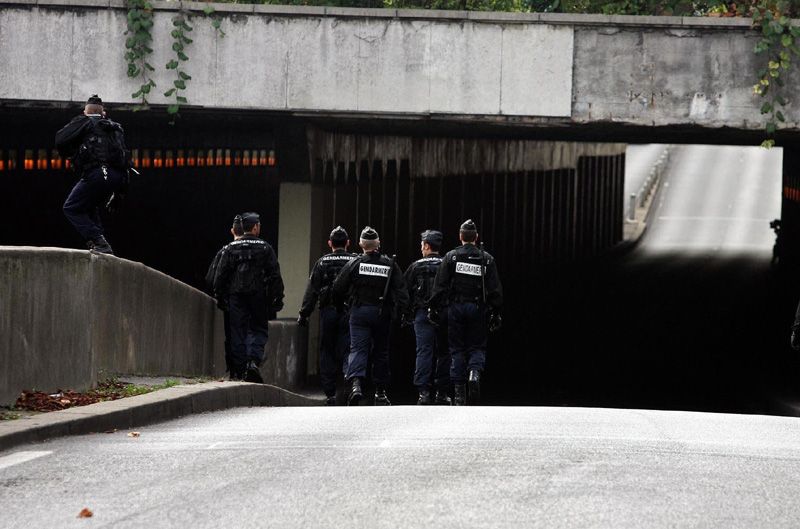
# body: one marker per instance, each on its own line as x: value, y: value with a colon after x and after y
x: 138, y: 45
x: 779, y: 39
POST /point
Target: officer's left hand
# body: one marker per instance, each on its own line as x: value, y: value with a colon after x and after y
x: 114, y: 203
x: 302, y: 320
x: 495, y: 322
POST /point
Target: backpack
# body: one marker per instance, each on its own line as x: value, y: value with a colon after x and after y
x: 104, y: 144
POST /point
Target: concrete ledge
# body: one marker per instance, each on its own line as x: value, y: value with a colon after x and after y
x: 159, y: 406
x: 420, y: 14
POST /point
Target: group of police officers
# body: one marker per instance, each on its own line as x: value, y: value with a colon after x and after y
x: 450, y: 301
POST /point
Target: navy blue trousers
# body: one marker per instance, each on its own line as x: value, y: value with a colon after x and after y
x: 248, y: 328
x: 82, y: 207
x: 369, y: 338
x: 334, y: 346
x: 433, y: 357
x: 467, y: 337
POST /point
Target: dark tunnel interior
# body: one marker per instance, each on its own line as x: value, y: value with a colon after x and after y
x: 614, y: 329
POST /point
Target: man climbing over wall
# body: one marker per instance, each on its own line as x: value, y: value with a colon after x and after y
x: 95, y: 145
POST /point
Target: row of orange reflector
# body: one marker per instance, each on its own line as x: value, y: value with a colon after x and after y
x: 43, y: 159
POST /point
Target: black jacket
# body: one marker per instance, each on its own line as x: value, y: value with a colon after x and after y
x: 363, y: 281
x: 420, y: 278
x: 248, y: 266
x: 461, y: 276
x: 320, y: 282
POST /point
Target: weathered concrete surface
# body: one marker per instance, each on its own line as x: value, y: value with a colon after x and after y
x: 68, y: 317
x: 519, y: 69
x: 297, y: 61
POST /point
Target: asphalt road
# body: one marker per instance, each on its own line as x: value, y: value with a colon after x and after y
x: 410, y: 466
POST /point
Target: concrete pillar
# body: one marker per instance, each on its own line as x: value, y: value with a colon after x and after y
x: 301, y: 236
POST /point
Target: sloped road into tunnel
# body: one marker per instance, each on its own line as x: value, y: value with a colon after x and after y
x: 694, y: 318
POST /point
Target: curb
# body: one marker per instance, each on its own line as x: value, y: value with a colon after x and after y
x: 158, y: 406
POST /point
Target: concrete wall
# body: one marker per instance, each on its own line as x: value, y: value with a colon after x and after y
x: 69, y: 318
x: 551, y: 68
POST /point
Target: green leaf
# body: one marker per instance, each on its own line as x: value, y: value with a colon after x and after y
x: 208, y: 10
x: 766, y: 108
x: 780, y: 100
x: 187, y: 40
x: 177, y: 46
x: 771, y: 127
x: 169, y: 92
x: 180, y: 84
x: 181, y: 99
x: 780, y: 116
x: 216, y: 23
x: 171, y: 65
x: 146, y: 89
x: 185, y: 76
x: 787, y: 40
x: 173, y: 109
x: 175, y: 34
x: 768, y: 144
x: 182, y: 56
x: 149, y: 67
x: 136, y: 94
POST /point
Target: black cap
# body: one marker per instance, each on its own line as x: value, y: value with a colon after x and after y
x: 249, y: 220
x: 468, y: 225
x: 94, y: 100
x: 432, y: 237
x: 339, y: 235
x: 369, y: 234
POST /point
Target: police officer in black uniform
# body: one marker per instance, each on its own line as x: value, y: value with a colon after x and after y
x: 236, y: 231
x: 468, y: 281
x: 96, y: 147
x: 431, y: 340
x: 334, y: 321
x: 249, y: 277
x: 375, y: 287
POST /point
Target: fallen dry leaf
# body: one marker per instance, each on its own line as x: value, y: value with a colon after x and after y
x: 134, y: 434
x: 85, y: 513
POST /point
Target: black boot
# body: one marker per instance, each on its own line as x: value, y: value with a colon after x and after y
x: 99, y: 245
x: 330, y: 400
x: 253, y: 374
x: 355, y: 393
x: 460, y: 395
x: 474, y: 386
x: 424, y: 397
x: 442, y: 397
x: 381, y: 399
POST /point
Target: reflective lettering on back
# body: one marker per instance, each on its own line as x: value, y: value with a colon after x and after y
x: 468, y: 269
x: 366, y: 269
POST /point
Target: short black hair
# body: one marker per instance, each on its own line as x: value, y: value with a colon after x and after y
x: 433, y: 245
x: 468, y: 235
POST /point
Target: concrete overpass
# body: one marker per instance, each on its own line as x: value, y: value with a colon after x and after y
x: 636, y: 78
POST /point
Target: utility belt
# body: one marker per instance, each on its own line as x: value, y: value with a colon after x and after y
x: 463, y: 298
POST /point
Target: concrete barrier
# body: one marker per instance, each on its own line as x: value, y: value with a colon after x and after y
x: 69, y: 317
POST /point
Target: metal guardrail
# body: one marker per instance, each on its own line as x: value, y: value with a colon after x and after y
x: 638, y: 200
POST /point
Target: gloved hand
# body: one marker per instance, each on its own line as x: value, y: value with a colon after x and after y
x: 302, y: 321
x: 406, y: 320
x: 795, y: 340
x: 495, y: 321
x: 114, y: 203
x: 433, y: 317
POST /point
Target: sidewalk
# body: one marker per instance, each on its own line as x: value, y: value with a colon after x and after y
x: 161, y: 405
